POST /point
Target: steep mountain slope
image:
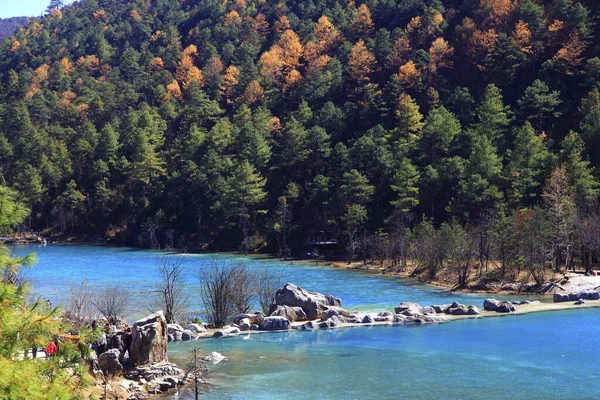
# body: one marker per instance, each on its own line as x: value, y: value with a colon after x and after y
x: 259, y: 122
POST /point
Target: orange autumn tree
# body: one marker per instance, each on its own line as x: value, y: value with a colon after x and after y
x: 408, y: 74
x: 361, y: 64
x: 522, y: 37
x: 260, y: 24
x: 328, y: 38
x: 156, y: 64
x: 254, y: 93
x: 498, y: 11
x: 327, y: 35
x: 478, y: 43
x: 569, y: 56
x: 440, y: 54
x: 230, y: 81
x: 361, y: 23
x: 186, y: 72
x: 283, y: 59
x: 282, y: 24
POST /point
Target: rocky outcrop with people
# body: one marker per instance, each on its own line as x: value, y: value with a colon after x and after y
x: 150, y: 337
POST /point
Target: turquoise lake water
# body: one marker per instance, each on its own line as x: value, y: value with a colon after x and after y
x: 60, y: 265
x: 552, y: 355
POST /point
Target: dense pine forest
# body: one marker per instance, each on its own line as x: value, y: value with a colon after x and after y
x: 255, y: 124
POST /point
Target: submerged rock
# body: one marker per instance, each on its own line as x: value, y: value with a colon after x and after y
x: 214, y: 357
x: 312, y: 303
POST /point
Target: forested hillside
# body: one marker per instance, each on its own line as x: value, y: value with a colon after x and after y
x: 9, y: 26
x: 259, y: 123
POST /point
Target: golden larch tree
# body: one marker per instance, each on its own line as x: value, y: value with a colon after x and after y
x: 361, y: 23
x: 522, y: 37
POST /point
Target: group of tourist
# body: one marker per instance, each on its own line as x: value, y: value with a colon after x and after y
x: 113, y: 338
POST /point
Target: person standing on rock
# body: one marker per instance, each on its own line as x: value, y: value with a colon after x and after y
x: 128, y: 339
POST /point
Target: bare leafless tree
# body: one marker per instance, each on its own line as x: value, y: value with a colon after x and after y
x: 218, y: 283
x: 80, y: 308
x: 243, y: 293
x: 267, y: 283
x: 169, y: 293
x: 196, y: 370
x: 559, y: 198
x: 111, y: 301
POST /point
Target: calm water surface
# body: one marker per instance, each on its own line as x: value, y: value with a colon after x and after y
x: 550, y: 355
x: 59, y: 266
x: 537, y: 356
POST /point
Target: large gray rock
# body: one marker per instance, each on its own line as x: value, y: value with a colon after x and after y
x: 227, y: 332
x: 334, y: 311
x: 367, y: 319
x: 459, y: 310
x: 244, y: 324
x: 440, y: 308
x: 172, y: 328
x: 188, y: 335
x: 275, y: 324
x: 490, y: 304
x: 149, y: 342
x: 560, y: 297
x: 505, y: 307
x: 312, y: 303
x: 196, y: 328
x: 309, y: 326
x: 109, y: 362
x: 255, y: 318
x: 472, y: 310
x: 580, y: 302
x: 291, y: 313
x: 330, y: 323
x: 590, y: 295
x: 409, y: 309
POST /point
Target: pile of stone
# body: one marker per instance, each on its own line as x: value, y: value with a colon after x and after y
x: 585, y: 295
x: 177, y: 333
x: 498, y: 306
x: 454, y: 309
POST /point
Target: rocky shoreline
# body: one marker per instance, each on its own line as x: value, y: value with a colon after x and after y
x: 293, y: 306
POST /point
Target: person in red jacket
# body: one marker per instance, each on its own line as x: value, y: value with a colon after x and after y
x: 51, y: 349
